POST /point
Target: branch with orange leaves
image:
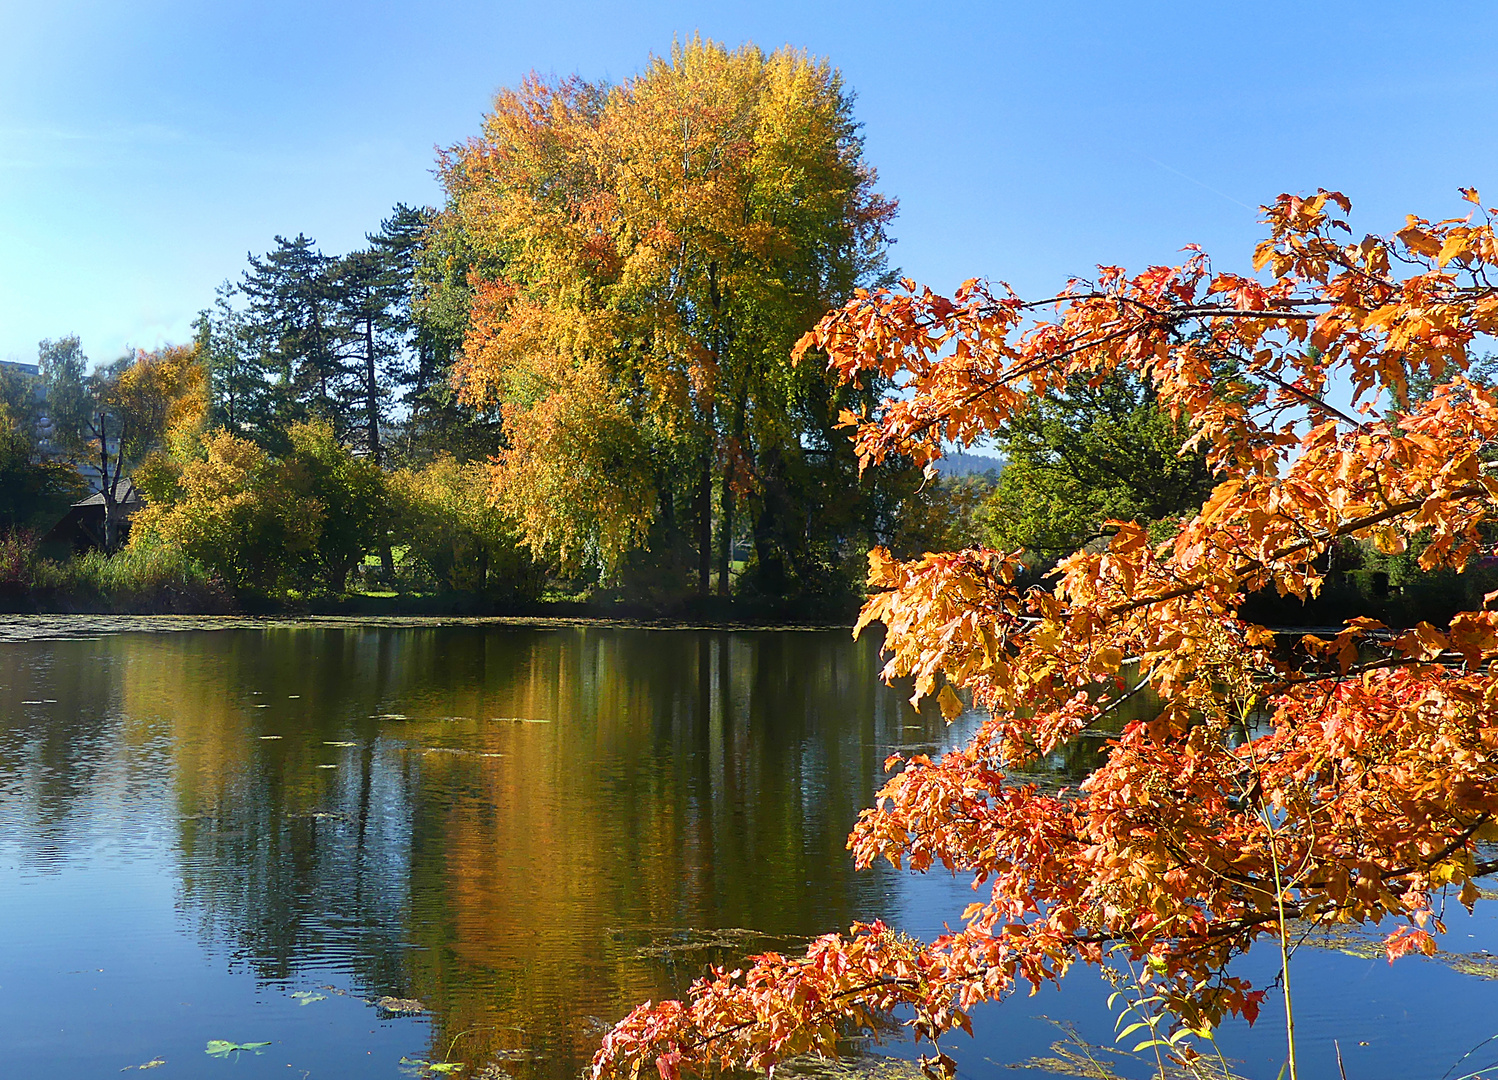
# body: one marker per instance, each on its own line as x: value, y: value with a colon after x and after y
x: 1320, y: 782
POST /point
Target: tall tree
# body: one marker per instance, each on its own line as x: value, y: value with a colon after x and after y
x: 293, y: 328
x: 1092, y: 452
x: 241, y: 398
x: 658, y: 247
x: 440, y: 421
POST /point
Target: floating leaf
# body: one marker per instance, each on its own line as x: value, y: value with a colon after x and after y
x: 152, y: 1064
x: 404, y: 1006
x: 421, y: 1067
x: 223, y: 1048
x: 307, y: 997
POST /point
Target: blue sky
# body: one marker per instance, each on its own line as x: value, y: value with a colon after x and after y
x: 146, y: 147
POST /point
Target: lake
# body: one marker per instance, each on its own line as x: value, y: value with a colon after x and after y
x: 254, y: 832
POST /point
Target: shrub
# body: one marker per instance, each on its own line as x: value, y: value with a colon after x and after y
x: 465, y: 544
x: 234, y: 510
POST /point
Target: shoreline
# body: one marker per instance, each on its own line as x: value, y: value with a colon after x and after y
x: 43, y: 626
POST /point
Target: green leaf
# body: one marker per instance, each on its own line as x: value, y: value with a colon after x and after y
x: 223, y: 1047
x: 307, y: 997
x: 421, y: 1067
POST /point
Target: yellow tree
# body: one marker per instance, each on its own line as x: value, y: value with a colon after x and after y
x: 114, y: 419
x: 655, y: 249
x: 233, y: 508
x: 1346, y: 778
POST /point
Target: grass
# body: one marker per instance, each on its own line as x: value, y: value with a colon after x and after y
x: 136, y: 579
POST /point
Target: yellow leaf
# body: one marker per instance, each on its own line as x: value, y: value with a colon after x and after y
x: 1453, y: 248
x: 951, y: 704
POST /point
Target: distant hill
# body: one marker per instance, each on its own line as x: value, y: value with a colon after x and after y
x: 955, y: 463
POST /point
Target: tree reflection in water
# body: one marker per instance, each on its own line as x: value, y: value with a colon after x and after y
x: 529, y: 830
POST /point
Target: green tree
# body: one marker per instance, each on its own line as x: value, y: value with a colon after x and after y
x: 439, y: 420
x: 292, y: 328
x: 241, y: 398
x: 34, y: 490
x: 1097, y: 452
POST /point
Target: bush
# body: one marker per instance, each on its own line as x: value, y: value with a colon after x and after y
x: 17, y: 555
x: 456, y: 537
x: 231, y: 508
x: 138, y: 579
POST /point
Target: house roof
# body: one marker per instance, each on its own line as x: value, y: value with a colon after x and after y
x: 124, y: 492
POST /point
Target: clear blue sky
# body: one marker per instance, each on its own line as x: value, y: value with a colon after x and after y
x: 145, y: 147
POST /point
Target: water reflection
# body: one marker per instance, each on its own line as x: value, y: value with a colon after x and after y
x: 528, y: 830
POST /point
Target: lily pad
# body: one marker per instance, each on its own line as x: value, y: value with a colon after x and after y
x: 307, y: 997
x: 152, y: 1064
x: 223, y: 1048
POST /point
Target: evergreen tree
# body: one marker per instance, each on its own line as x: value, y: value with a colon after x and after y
x: 293, y: 330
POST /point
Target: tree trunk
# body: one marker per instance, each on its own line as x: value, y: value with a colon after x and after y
x: 372, y: 413
x: 725, y: 555
x: 705, y: 529
x: 725, y: 551
x: 106, y: 489
x: 111, y: 524
x: 372, y: 399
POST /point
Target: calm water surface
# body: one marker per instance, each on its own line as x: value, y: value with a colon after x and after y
x: 253, y: 834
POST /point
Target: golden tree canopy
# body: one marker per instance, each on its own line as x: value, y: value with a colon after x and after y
x: 661, y: 244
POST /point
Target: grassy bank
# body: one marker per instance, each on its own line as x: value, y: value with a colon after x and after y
x: 163, y: 581
x: 135, y: 581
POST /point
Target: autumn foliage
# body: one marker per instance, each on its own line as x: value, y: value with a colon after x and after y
x: 1349, y: 777
x: 645, y: 256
